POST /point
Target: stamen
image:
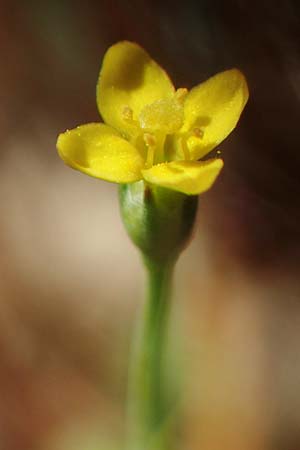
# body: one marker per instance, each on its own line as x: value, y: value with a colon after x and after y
x: 198, y: 133
x: 185, y: 149
x: 150, y: 142
x: 127, y: 114
x: 180, y: 95
x: 195, y: 132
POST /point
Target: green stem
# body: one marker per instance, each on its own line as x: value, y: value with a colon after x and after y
x: 148, y: 405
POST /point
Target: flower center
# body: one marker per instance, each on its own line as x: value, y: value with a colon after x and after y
x: 157, y: 120
x: 164, y: 115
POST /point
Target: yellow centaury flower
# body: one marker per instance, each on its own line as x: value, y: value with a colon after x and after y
x: 152, y: 131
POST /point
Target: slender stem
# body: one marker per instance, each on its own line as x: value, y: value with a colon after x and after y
x: 148, y: 405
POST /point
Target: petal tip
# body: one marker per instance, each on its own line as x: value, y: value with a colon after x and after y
x: 243, y: 82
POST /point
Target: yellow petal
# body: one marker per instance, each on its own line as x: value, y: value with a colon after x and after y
x: 189, y: 177
x: 213, y: 109
x: 129, y: 80
x: 100, y: 152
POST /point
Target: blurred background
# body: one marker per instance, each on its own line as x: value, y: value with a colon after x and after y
x: 71, y: 283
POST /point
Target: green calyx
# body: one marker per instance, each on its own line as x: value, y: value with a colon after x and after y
x: 159, y: 221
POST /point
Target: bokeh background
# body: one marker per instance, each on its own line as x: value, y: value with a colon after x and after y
x: 71, y: 282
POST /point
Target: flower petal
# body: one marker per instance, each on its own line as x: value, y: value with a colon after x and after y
x: 99, y: 151
x: 213, y: 108
x: 189, y: 177
x: 129, y: 80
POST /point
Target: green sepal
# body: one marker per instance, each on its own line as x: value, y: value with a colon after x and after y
x: 159, y: 221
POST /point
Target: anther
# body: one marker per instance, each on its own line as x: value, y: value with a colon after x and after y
x: 198, y: 133
x: 149, y: 139
x: 127, y: 113
x: 180, y: 94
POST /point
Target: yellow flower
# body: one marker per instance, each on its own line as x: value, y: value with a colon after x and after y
x: 152, y: 131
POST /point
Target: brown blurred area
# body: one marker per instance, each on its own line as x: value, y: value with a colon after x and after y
x: 71, y: 282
